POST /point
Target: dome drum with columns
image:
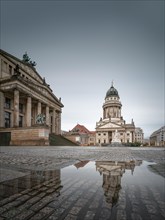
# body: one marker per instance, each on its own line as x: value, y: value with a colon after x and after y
x: 113, y: 121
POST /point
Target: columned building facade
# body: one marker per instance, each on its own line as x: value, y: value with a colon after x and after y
x: 29, y: 110
x: 157, y: 138
x: 113, y: 122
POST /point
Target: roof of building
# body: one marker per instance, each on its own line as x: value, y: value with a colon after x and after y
x: 80, y: 129
x: 112, y: 92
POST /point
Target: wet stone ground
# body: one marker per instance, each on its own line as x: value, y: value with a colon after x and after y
x: 116, y: 183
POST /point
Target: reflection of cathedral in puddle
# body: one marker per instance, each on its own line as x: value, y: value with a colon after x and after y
x: 34, y: 179
x: 112, y: 173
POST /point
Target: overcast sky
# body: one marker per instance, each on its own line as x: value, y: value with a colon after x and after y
x: 81, y: 46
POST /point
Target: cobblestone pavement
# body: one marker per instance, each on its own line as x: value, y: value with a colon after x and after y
x: 45, y: 197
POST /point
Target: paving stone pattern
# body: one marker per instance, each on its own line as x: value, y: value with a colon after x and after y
x: 48, y: 198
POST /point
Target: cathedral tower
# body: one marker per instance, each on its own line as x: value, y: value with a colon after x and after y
x: 112, y: 126
x: 112, y: 105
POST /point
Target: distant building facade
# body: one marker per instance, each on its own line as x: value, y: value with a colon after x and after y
x: 81, y: 135
x: 157, y: 138
x: 139, y: 135
x: 113, y: 122
x: 29, y: 110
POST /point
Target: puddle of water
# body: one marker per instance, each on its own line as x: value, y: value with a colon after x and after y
x: 97, y: 190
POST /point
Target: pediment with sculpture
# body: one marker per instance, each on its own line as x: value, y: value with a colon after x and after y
x: 110, y: 125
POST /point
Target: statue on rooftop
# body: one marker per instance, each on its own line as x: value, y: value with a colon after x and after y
x: 27, y: 59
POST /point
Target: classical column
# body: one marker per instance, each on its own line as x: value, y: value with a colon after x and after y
x: 2, y: 99
x: 133, y: 139
x: 16, y: 108
x: 39, y: 108
x: 119, y: 112
x: 59, y: 123
x: 54, y: 121
x: 103, y: 113
x: 47, y: 115
x: 28, y: 111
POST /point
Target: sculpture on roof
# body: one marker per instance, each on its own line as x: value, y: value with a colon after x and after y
x: 27, y: 60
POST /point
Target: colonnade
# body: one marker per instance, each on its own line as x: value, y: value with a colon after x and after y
x: 113, y: 112
x: 32, y: 108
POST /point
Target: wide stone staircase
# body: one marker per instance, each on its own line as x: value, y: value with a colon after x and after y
x: 59, y: 140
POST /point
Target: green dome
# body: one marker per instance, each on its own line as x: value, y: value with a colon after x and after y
x: 112, y: 92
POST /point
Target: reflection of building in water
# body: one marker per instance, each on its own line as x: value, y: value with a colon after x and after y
x: 112, y: 172
x: 81, y: 164
x: 35, y: 178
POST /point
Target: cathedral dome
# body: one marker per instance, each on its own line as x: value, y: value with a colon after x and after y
x: 112, y: 92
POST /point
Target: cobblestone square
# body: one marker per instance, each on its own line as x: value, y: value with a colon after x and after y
x: 82, y: 183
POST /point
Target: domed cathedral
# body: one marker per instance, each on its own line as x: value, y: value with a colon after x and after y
x: 112, y: 122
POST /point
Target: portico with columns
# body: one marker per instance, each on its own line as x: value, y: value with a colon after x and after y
x: 24, y: 95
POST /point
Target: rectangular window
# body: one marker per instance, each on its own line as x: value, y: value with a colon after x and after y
x: 20, y: 121
x: 7, y: 119
x: 7, y: 103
